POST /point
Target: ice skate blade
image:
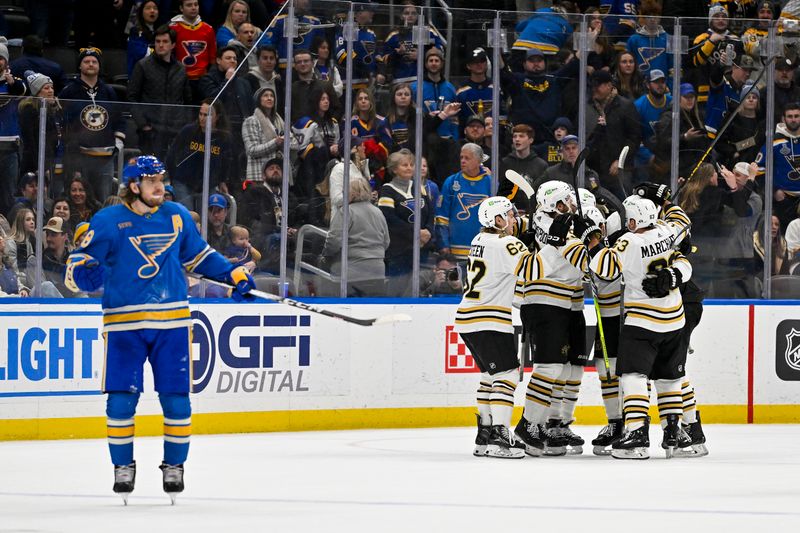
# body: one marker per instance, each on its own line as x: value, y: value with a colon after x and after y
x: 574, y: 450
x: 480, y: 450
x: 695, y: 450
x: 499, y: 452
x: 669, y: 451
x: 555, y: 451
x: 635, y: 453
x: 601, y: 451
x: 172, y: 497
x: 124, y: 496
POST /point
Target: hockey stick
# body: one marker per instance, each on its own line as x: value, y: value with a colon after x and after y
x: 728, y: 121
x: 517, y: 179
x: 578, y: 163
x: 385, y: 319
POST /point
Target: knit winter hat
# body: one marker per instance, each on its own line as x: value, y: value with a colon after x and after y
x: 716, y: 9
x: 4, y: 48
x: 92, y: 51
x: 746, y: 89
x: 36, y: 81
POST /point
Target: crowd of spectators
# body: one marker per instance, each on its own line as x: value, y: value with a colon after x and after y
x: 184, y: 62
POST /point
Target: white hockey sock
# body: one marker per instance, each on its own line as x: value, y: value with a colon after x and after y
x: 558, y: 394
x: 540, y: 391
x: 689, y: 403
x: 609, y: 387
x: 635, y: 401
x: 484, y: 397
x: 502, y: 397
x: 571, y: 389
x: 669, y: 399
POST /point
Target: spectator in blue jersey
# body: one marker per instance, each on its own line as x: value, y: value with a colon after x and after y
x: 365, y: 121
x: 457, y: 210
x: 95, y: 125
x: 475, y: 96
x: 650, y: 108
x: 142, y: 36
x: 10, y: 85
x: 238, y: 13
x: 535, y: 93
x: 437, y: 92
x: 397, y: 203
x: 746, y: 133
x: 786, y: 165
x: 32, y: 59
x: 159, y: 79
x: 611, y: 123
x: 365, y: 53
x: 620, y: 20
x: 325, y: 67
x: 146, y: 311
x: 398, y: 60
x: 649, y: 45
x: 725, y: 89
x: 306, y: 31
x: 547, y: 30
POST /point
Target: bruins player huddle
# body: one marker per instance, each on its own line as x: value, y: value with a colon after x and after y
x: 636, y: 264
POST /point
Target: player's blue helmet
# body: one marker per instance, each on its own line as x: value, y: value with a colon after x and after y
x: 144, y: 165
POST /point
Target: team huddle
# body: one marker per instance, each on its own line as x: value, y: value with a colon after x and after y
x: 636, y: 263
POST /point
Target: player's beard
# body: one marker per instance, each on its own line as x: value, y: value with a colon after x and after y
x: 152, y: 202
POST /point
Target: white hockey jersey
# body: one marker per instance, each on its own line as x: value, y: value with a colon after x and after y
x: 634, y: 256
x: 493, y: 265
x: 560, y: 279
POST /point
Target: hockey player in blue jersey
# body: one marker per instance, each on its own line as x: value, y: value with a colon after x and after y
x: 137, y: 252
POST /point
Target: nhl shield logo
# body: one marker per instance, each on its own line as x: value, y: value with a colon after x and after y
x: 792, y: 352
x: 787, y: 350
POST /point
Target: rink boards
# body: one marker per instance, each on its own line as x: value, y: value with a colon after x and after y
x: 266, y: 367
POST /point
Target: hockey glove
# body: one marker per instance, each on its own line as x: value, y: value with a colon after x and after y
x: 662, y: 282
x: 243, y: 282
x: 614, y: 237
x: 658, y: 194
x: 557, y: 236
x: 84, y: 274
x: 584, y: 228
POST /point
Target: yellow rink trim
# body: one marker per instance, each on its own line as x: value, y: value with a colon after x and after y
x: 412, y: 417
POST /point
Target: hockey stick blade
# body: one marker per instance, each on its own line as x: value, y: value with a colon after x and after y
x: 381, y: 320
x: 517, y: 179
x: 623, y: 155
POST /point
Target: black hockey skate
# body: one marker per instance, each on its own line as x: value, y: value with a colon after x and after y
x: 674, y: 437
x: 555, y: 444
x: 124, y: 480
x: 173, y: 480
x: 502, y: 445
x: 481, y: 439
x: 698, y: 440
x: 607, y: 436
x: 529, y: 436
x: 633, y: 444
x: 574, y: 441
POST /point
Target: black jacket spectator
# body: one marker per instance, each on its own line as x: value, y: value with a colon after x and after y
x: 185, y: 157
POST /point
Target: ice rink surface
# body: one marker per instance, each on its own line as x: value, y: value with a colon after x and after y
x: 409, y: 480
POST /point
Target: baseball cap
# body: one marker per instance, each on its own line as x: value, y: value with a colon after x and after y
x: 744, y: 61
x: 55, y: 224
x: 217, y: 200
x: 479, y: 54
x: 276, y: 160
x: 657, y: 74
x: 476, y: 118
x: 784, y: 63
x: 600, y: 77
x: 569, y: 139
x: 687, y: 88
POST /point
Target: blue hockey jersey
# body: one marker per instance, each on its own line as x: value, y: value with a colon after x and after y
x: 305, y: 35
x: 721, y: 99
x: 457, y: 210
x: 650, y: 52
x: 622, y: 16
x: 649, y: 115
x: 144, y: 258
x: 475, y: 99
x: 786, y: 160
x: 435, y: 96
x: 365, y: 59
x: 546, y: 30
x: 398, y: 53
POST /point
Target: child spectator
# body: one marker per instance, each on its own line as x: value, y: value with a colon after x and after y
x: 241, y: 252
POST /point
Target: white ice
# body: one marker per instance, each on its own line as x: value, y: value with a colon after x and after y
x: 409, y: 480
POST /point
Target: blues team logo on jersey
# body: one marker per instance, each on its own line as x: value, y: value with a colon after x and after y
x: 150, y: 247
x: 467, y: 202
x: 648, y: 55
x: 192, y: 49
x: 94, y: 117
